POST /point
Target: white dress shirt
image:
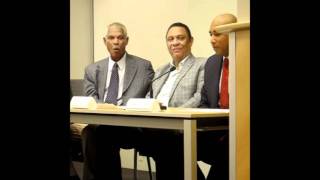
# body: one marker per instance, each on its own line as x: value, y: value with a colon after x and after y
x: 164, y: 94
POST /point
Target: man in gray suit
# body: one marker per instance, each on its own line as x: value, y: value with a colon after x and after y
x: 175, y: 87
x: 114, y: 79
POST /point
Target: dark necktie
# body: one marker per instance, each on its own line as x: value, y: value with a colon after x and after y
x: 224, y: 93
x: 113, y: 86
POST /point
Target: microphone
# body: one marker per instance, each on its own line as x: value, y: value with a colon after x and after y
x: 170, y: 70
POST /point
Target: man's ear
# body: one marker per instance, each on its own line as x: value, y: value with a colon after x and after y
x: 127, y: 39
x: 104, y: 40
x: 191, y: 41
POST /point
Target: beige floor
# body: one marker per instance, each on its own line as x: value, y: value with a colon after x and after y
x: 127, y: 174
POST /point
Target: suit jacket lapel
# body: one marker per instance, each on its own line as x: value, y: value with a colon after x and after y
x: 183, y: 71
x: 131, y: 69
x: 213, y: 77
x: 217, y: 69
x: 102, y: 78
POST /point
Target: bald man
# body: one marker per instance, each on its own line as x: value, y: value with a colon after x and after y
x: 214, y: 145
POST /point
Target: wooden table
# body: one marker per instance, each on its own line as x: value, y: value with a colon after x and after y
x: 187, y: 120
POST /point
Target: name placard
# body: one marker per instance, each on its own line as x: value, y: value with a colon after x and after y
x: 83, y: 102
x: 143, y: 104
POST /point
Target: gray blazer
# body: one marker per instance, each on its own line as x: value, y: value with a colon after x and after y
x: 186, y: 91
x: 137, y: 78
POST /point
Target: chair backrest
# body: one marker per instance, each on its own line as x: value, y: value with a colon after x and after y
x: 76, y: 86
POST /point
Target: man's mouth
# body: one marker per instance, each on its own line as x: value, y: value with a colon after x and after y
x: 176, y: 50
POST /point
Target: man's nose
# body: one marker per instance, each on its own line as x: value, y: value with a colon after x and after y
x: 213, y: 40
x: 175, y: 41
x: 115, y: 41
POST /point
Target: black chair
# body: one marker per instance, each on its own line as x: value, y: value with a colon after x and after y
x: 76, y: 86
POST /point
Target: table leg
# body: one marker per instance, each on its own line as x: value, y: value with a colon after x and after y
x: 190, y: 149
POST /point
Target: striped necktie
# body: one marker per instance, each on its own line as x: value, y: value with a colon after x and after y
x: 113, y: 86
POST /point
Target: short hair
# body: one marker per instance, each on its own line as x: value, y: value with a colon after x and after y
x: 119, y: 25
x: 179, y: 24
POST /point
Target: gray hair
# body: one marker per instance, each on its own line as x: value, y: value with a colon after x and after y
x: 119, y: 25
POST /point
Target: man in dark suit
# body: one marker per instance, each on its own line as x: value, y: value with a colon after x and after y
x: 115, y: 80
x: 213, y: 146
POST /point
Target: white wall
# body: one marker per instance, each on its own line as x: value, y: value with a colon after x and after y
x: 243, y: 10
x: 147, y: 22
x: 81, y: 37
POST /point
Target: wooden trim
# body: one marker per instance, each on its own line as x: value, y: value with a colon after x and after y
x: 232, y: 106
x: 233, y: 27
x: 242, y: 116
x: 239, y: 94
x: 170, y: 112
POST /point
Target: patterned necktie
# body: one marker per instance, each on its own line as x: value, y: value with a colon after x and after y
x: 224, y: 94
x: 113, y: 86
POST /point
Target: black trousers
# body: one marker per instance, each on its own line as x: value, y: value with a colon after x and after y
x: 213, y: 148
x: 166, y: 147
x: 101, y: 148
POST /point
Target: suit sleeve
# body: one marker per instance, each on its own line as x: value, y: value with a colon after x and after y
x: 150, y: 72
x: 150, y: 75
x: 204, y: 99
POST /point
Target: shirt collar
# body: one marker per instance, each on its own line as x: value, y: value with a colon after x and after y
x: 181, y: 62
x: 121, y: 63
